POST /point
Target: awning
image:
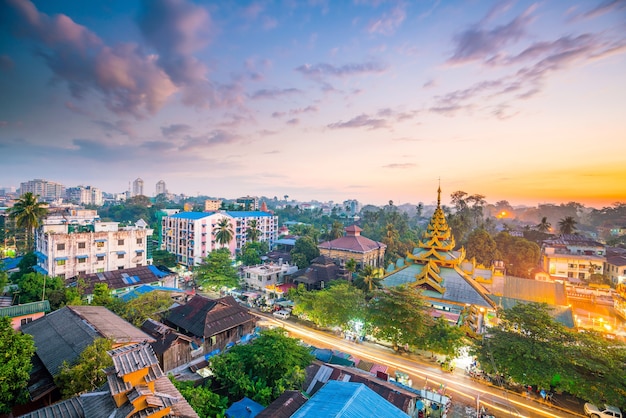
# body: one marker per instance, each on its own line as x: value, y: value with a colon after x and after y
x: 41, y: 255
x: 60, y: 258
x: 100, y: 255
x: 40, y: 270
x: 82, y: 256
x: 138, y: 251
x: 100, y: 240
x: 121, y: 252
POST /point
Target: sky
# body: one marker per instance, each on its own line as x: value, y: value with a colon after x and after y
x: 371, y: 100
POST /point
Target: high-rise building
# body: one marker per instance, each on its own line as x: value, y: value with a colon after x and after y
x: 48, y: 191
x: 137, y: 187
x: 161, y: 188
x: 84, y: 195
x: 249, y: 202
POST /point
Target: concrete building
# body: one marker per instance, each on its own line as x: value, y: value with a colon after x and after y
x: 615, y: 268
x: 84, y: 195
x: 249, y: 202
x: 160, y: 188
x: 351, y: 207
x: 266, y: 276
x: 137, y: 188
x: 48, y: 191
x: 266, y: 223
x: 75, y: 242
x: 212, y: 205
x: 573, y: 257
x: 354, y: 246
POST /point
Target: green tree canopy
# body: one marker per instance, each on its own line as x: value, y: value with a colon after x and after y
x: 163, y: 258
x: 148, y: 305
x: 31, y: 287
x: 544, y: 226
x: 336, y: 305
x: 101, y: 295
x: 519, y: 255
x: 443, y: 338
x: 482, y: 246
x: 304, y: 251
x: 399, y: 315
x: 252, y: 231
x: 16, y: 350
x: 369, y: 279
x: 224, y: 232
x: 567, y: 225
x: 217, y: 270
x: 206, y: 403
x: 27, y: 213
x: 251, y: 253
x: 88, y: 372
x: 263, y: 369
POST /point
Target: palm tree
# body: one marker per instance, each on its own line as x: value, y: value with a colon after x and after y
x: 567, y: 225
x: 27, y: 213
x: 369, y: 279
x: 544, y: 225
x: 253, y: 232
x: 224, y: 232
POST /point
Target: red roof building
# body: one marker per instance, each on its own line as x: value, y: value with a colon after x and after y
x: 355, y: 246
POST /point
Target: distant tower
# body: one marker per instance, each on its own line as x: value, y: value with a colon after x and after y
x: 138, y: 187
x: 161, y: 188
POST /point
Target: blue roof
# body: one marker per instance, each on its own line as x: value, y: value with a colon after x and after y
x: 245, y: 408
x: 191, y: 215
x: 347, y: 400
x: 9, y: 263
x: 248, y: 214
x: 157, y: 272
x: 40, y: 270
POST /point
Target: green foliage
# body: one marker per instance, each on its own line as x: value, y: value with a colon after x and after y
x: 263, y: 369
x: 530, y: 347
x: 519, y: 255
x: 217, y: 271
x: 468, y: 215
x: 369, y: 279
x: 392, y: 227
x: 206, y: 403
x: 567, y: 225
x: 25, y: 266
x: 163, y: 258
x: 251, y: 253
x: 443, y: 338
x: 101, y: 295
x: 304, y: 251
x: 88, y: 372
x: 399, y: 315
x: 16, y: 350
x: 336, y: 305
x: 148, y: 305
x: 31, y: 287
x: 27, y: 213
x: 252, y: 231
x: 4, y: 278
x: 224, y: 233
x: 482, y: 246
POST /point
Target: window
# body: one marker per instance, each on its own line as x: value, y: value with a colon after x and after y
x: 581, y: 276
x: 213, y: 340
x: 138, y: 265
x: 81, y: 245
x: 100, y: 270
x: 120, y: 267
x: 120, y: 256
x: 61, y: 276
x: 139, y: 241
x: 60, y: 262
x: 82, y: 260
x: 100, y: 244
x: 25, y: 321
x: 120, y: 242
x: 100, y: 258
x: 60, y: 247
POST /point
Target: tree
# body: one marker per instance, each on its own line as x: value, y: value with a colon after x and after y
x: 27, y: 213
x: 336, y: 231
x: 519, y: 255
x: 31, y: 287
x: 304, y: 251
x: 263, y: 369
x: 335, y: 306
x: 206, y: 403
x: 399, y: 315
x: 251, y: 253
x: 544, y: 225
x: 163, y: 258
x: 217, y: 271
x: 224, y: 233
x: 443, y: 338
x: 101, y: 295
x: 351, y: 265
x: 369, y: 279
x: 148, y: 305
x: 253, y: 232
x: 481, y: 246
x: 16, y: 350
x: 567, y: 225
x: 88, y: 372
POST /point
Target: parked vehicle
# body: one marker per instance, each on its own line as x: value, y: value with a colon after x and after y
x: 282, y: 314
x: 608, y: 411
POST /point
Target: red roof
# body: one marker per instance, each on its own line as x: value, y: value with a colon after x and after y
x: 354, y: 243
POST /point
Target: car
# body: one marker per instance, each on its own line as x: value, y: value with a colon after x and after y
x: 282, y: 314
x: 608, y: 411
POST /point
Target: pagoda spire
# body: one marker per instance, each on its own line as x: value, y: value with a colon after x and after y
x: 439, y: 194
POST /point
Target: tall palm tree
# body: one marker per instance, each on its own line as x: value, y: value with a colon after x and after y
x: 224, y: 232
x: 567, y: 225
x: 369, y: 279
x: 544, y: 225
x: 253, y: 232
x: 27, y: 213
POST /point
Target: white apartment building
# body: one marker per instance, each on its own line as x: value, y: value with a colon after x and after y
x: 84, y: 195
x: 191, y: 235
x: 76, y: 242
x: 48, y: 191
x: 137, y: 187
x: 266, y: 276
x: 161, y: 188
x: 573, y: 257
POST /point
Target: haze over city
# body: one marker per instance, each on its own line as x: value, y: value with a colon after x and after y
x: 371, y: 100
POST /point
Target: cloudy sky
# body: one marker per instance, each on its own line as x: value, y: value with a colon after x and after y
x: 330, y: 100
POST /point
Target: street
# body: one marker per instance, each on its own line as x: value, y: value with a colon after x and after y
x: 461, y: 388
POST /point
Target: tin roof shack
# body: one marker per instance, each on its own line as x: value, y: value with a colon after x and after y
x: 172, y: 348
x: 217, y: 323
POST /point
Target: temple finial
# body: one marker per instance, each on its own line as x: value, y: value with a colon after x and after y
x: 439, y: 193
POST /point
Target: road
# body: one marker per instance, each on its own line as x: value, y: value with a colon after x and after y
x: 460, y: 387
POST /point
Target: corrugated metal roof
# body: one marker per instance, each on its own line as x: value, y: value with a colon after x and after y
x: 191, y: 215
x: 347, y: 400
x: 25, y: 309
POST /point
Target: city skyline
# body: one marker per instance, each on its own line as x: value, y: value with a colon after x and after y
x: 371, y: 100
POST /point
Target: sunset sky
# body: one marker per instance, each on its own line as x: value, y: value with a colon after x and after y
x: 368, y: 99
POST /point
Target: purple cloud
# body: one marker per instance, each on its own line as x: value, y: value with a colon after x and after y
x: 129, y: 81
x: 294, y: 121
x: 361, y: 121
x: 122, y: 127
x: 608, y: 6
x: 175, y: 130
x: 388, y: 22
x: 274, y: 93
x: 324, y: 69
x: 210, y: 139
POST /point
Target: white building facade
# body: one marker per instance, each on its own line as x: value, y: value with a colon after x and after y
x: 266, y: 223
x: 573, y: 257
x: 48, y: 191
x: 77, y: 243
x: 266, y: 276
x: 84, y: 195
x: 137, y: 187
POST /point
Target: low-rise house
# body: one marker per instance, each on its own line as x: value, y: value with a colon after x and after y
x: 25, y: 313
x: 216, y: 323
x: 136, y: 386
x: 172, y: 348
x: 573, y: 257
x: 322, y: 270
x: 615, y: 268
x: 62, y: 335
x: 284, y: 406
x: 266, y: 276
